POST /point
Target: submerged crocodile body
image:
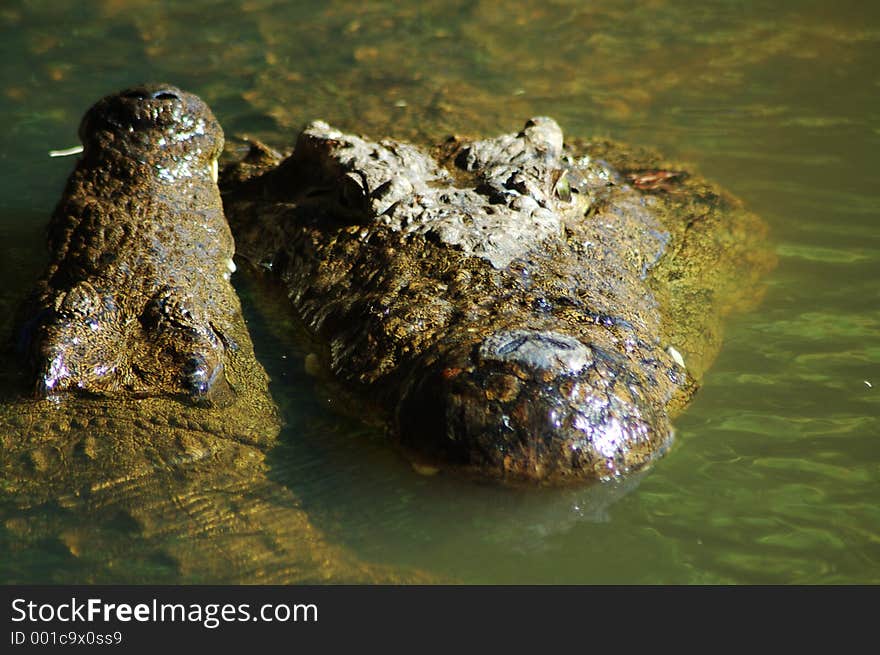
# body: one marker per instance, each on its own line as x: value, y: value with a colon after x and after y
x: 514, y: 308
x: 144, y: 456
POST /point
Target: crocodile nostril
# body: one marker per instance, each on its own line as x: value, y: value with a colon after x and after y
x: 545, y: 351
x: 145, y: 94
x: 135, y: 95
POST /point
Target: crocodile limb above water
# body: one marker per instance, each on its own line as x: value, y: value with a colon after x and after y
x: 144, y: 457
x: 515, y: 308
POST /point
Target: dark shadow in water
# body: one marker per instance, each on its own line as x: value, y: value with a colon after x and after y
x: 22, y: 258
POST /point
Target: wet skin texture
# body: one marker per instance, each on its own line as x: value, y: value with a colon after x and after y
x: 506, y: 305
x: 136, y: 299
x: 118, y: 476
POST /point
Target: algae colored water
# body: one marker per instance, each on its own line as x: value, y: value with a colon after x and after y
x: 775, y: 474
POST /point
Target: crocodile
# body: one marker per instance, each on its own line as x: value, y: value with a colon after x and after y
x: 137, y: 444
x: 517, y: 308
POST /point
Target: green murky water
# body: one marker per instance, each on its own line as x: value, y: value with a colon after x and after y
x: 775, y: 477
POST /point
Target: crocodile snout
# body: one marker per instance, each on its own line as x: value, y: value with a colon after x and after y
x: 136, y: 299
x: 152, y: 122
x: 533, y: 405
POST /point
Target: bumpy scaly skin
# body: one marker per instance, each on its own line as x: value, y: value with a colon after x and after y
x: 498, y: 302
x: 137, y: 299
x: 131, y: 482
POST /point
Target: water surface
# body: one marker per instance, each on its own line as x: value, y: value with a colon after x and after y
x: 774, y: 477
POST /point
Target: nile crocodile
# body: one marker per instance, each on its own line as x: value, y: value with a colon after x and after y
x: 143, y: 456
x: 515, y: 308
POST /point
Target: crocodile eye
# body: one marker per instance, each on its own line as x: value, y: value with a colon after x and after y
x: 198, y: 375
x: 135, y: 95
x: 165, y: 95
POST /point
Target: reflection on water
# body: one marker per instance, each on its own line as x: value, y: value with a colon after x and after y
x: 775, y: 474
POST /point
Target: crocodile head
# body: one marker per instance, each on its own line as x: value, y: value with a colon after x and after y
x: 533, y: 405
x: 136, y: 299
x: 511, y: 305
